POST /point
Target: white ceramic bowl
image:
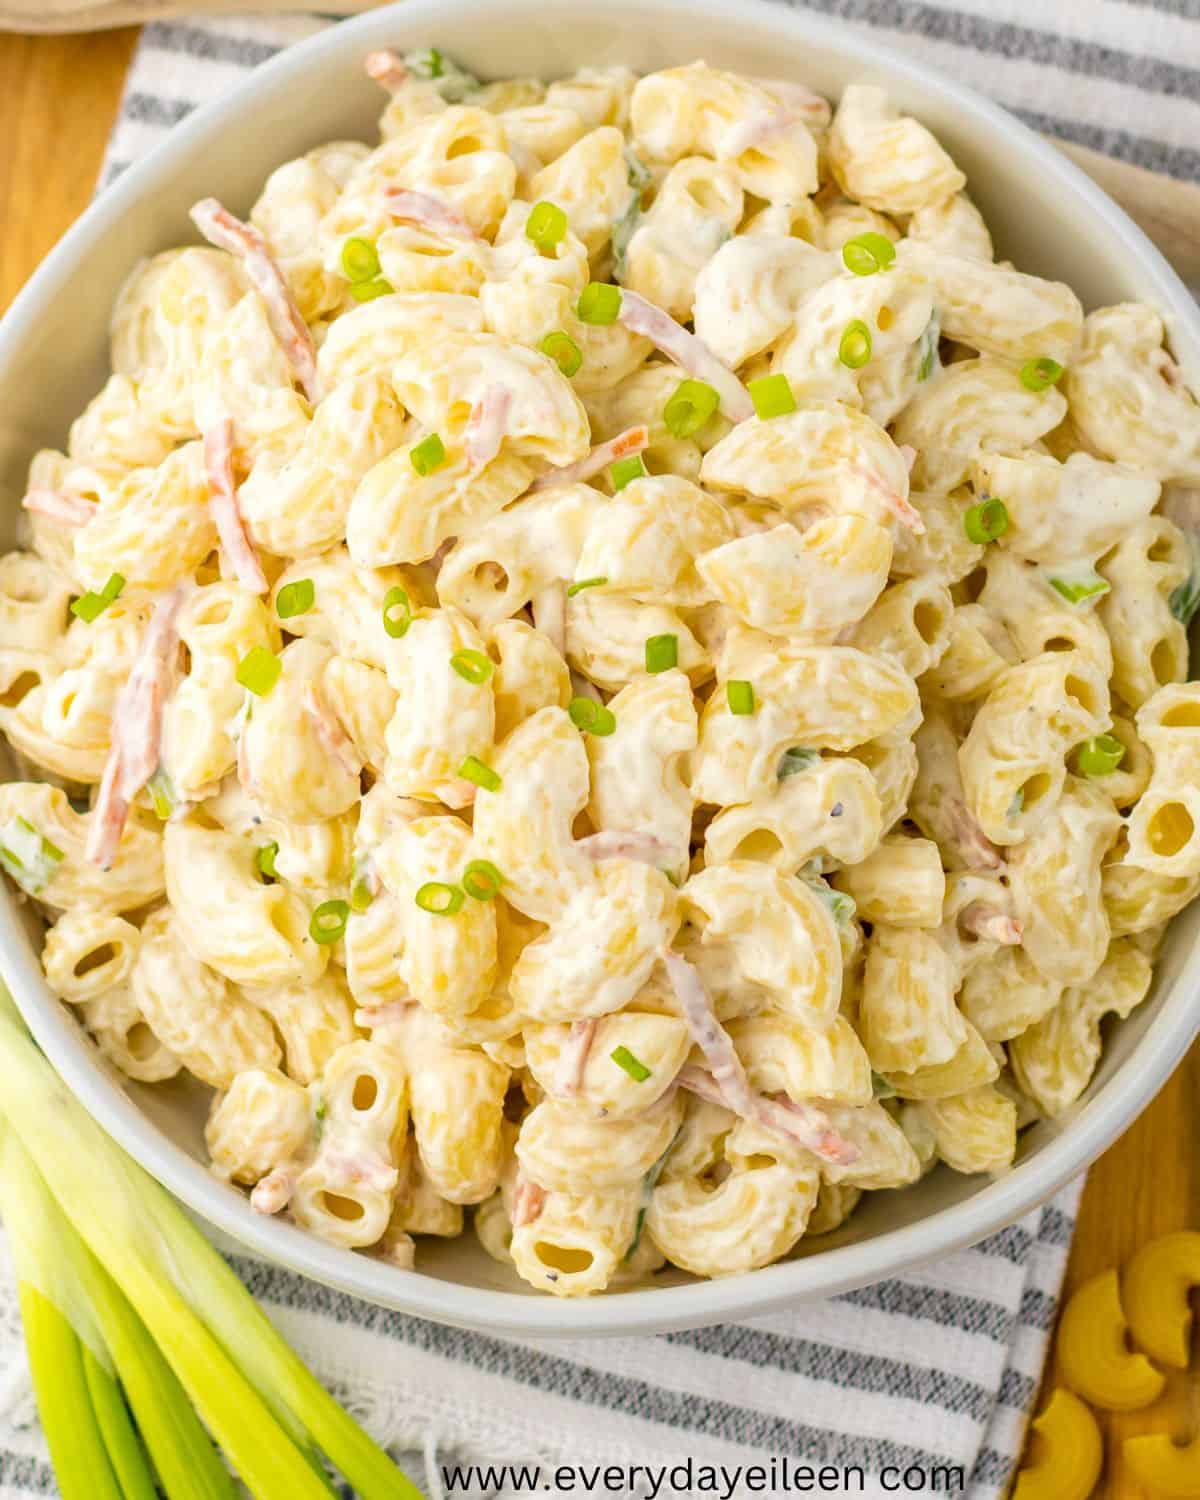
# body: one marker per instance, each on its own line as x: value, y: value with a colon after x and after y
x: 1044, y: 214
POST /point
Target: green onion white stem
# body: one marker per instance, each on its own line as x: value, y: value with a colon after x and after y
x: 266, y: 1411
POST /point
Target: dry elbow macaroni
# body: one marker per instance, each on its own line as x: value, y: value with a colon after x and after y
x: 600, y: 664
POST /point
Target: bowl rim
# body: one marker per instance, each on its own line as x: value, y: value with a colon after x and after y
x: 648, y: 1309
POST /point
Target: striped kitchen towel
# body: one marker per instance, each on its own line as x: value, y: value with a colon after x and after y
x: 930, y: 1375
x: 932, y: 1371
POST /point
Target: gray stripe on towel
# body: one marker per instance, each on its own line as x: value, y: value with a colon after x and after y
x: 539, y: 1369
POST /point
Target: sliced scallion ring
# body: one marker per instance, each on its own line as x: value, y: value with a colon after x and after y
x: 867, y: 253
x: 397, y: 612
x: 360, y: 259
x: 1039, y: 374
x: 599, y: 303
x: 482, y: 880
x: 564, y: 351
x: 440, y: 899
x: 329, y: 922
x: 546, y: 226
x: 986, y: 521
x: 265, y: 860
x: 692, y: 405
x: 854, y: 351
x: 592, y: 717
x: 1100, y: 756
x: 473, y: 666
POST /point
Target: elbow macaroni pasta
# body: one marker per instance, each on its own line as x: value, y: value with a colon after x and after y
x: 529, y: 770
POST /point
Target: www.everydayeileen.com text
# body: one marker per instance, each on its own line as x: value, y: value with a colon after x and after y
x: 779, y: 1476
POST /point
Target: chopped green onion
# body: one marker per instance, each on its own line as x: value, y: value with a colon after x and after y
x: 623, y: 231
x: 1100, y: 756
x: 546, y: 226
x: 259, y: 670
x: 473, y: 666
x: 360, y: 896
x: 480, y: 774
x: 181, y: 1329
x: 1037, y: 374
x: 265, y: 860
x: 1079, y: 588
x: 772, y: 396
x: 649, y: 1183
x: 740, y: 696
x: 163, y: 796
x: 592, y: 717
x: 599, y: 303
x: 986, y: 521
x: 928, y: 348
x: 360, y: 259
x: 584, y: 583
x: 28, y: 856
x: 626, y: 470
x: 427, y: 63
x: 397, y: 612
x: 482, y: 880
x: 564, y: 351
x: 867, y: 253
x: 880, y: 1087
x: 88, y: 606
x: 692, y: 406
x: 842, y: 908
x: 1017, y: 805
x: 439, y: 899
x: 632, y: 1065
x: 796, y: 760
x: 295, y: 598
x: 453, y: 83
x: 662, y: 653
x: 1185, y: 600
x: 428, y: 455
x: 367, y: 291
x: 855, y: 348
x: 638, y: 173
x: 329, y: 922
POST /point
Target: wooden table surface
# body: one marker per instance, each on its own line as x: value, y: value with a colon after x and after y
x: 58, y: 98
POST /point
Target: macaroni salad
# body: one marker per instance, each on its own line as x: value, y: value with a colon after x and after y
x: 602, y: 660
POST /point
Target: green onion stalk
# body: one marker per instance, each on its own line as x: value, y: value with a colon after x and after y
x: 147, y: 1353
